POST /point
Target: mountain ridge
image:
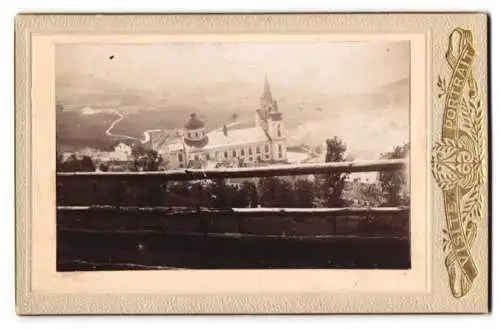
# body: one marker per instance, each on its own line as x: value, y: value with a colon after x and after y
x: 79, y: 90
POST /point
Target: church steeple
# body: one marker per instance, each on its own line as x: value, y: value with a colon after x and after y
x: 267, y: 91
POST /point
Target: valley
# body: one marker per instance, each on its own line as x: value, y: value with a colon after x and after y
x: 310, y: 117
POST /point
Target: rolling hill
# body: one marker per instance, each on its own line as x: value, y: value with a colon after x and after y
x: 78, y: 90
x: 369, y: 123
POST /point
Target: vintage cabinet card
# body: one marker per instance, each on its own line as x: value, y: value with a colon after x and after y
x: 305, y: 163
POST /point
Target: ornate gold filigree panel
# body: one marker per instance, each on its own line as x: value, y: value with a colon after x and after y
x: 458, y: 161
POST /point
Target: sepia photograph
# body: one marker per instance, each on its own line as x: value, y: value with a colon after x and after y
x: 235, y: 155
x: 252, y: 164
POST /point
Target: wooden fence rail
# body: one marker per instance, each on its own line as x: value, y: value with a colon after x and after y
x: 222, y: 173
x: 247, y: 212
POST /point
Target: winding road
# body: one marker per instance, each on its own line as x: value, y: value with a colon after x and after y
x: 113, y: 124
x: 147, y: 133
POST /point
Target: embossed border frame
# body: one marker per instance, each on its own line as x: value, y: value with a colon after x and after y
x: 437, y: 299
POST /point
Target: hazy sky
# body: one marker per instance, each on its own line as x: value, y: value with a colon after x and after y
x: 353, y: 67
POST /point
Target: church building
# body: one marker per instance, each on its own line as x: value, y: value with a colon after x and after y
x: 263, y: 143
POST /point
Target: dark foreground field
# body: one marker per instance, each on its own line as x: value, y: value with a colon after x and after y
x: 127, y: 244
x: 142, y: 222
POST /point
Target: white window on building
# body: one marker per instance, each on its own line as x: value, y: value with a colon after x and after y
x: 258, y: 149
x: 189, y: 135
x: 280, y: 151
x: 242, y: 152
x: 266, y: 148
x: 225, y: 154
x: 279, y: 130
x: 179, y: 156
x: 196, y: 158
x: 250, y: 151
x: 216, y: 155
x: 234, y: 154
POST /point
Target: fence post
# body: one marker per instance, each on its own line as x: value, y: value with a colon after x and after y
x: 95, y: 192
x: 202, y: 220
x: 333, y: 221
x: 240, y: 221
x: 119, y: 193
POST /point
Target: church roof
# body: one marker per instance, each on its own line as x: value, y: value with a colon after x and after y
x: 194, y: 122
x: 217, y: 139
x: 196, y: 143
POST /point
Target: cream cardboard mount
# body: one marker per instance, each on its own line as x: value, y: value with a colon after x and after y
x: 448, y: 169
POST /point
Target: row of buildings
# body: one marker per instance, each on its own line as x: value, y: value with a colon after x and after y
x: 120, y: 155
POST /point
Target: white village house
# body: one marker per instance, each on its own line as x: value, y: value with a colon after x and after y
x: 121, y: 153
x: 123, y: 150
x: 263, y: 143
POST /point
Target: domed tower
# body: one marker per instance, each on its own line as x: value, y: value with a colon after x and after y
x: 195, y: 133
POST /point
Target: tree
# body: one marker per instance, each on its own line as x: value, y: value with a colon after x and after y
x: 253, y: 197
x: 219, y: 194
x: 361, y: 193
x: 103, y: 167
x: 138, y: 150
x: 394, y: 184
x: 152, y: 192
x: 330, y: 186
x: 86, y: 164
x: 241, y: 196
x: 275, y: 192
x: 179, y: 194
x: 303, y: 193
x: 73, y: 164
x: 145, y: 159
x: 70, y: 165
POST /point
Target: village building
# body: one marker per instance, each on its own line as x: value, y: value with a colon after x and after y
x: 123, y: 150
x: 121, y: 153
x: 265, y: 142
